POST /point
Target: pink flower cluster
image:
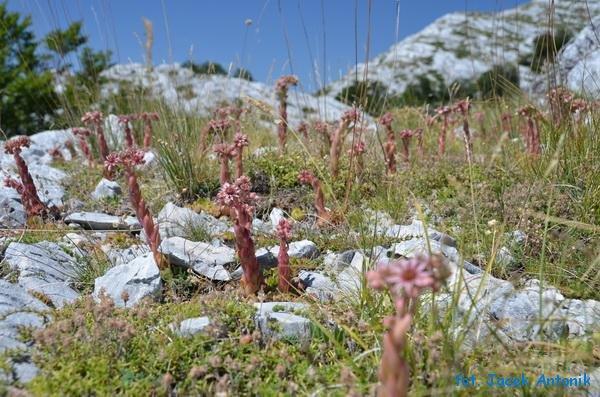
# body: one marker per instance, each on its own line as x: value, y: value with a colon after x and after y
x: 405, y: 279
x: 238, y: 198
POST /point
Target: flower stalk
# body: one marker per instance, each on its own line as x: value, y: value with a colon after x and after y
x: 97, y: 119
x: 389, y: 146
x: 284, y: 233
x: 82, y: 134
x: 281, y: 88
x: 337, y: 140
x: 443, y: 112
x: 238, y: 199
x: 405, y: 279
x: 26, y: 187
x: 148, y: 118
x: 463, y: 108
x: 128, y: 159
x: 323, y: 215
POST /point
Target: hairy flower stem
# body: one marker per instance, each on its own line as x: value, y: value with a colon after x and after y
x: 323, y: 215
x: 336, y: 147
x: 252, y: 279
x: 237, y: 198
x: 282, y: 87
x: 405, y: 279
x: 406, y: 135
x: 226, y: 153
x: 102, y: 141
x: 82, y: 134
x: 97, y: 119
x: 393, y: 370
x: 389, y: 147
x: 532, y: 134
x: 463, y: 108
x: 420, y: 147
x: 240, y: 142
x: 442, y: 136
x: 283, y: 258
x: 282, y: 126
x: 129, y: 159
x: 337, y: 140
x: 148, y: 118
x: 26, y: 188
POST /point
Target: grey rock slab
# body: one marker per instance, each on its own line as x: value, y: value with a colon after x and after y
x: 139, y: 279
x: 114, y: 132
x: 45, y: 268
x: 12, y: 213
x: 121, y: 256
x: 267, y: 257
x: 18, y: 309
x: 14, y: 298
x: 337, y: 262
x: 100, y: 221
x: 275, y: 216
x: 535, y: 311
x: 278, y: 320
x: 318, y: 285
x: 25, y: 371
x: 106, y: 189
x: 203, y: 258
x: 581, y: 316
x: 174, y: 221
x: 504, y: 257
x: 191, y: 326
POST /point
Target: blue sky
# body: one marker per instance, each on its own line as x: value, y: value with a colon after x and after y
x: 285, y: 35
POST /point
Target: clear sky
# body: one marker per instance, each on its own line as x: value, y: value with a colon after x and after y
x: 285, y: 36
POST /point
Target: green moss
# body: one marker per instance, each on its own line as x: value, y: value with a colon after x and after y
x: 105, y: 351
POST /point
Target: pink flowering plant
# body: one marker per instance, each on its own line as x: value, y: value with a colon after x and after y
x: 284, y: 234
x: 240, y: 141
x: 281, y: 88
x: 129, y: 159
x: 443, y: 113
x: 532, y: 133
x: 463, y: 108
x: 96, y: 119
x: 405, y: 280
x: 389, y: 147
x: 238, y: 198
x: 125, y: 120
x: 225, y: 152
x: 147, y: 118
x: 307, y: 178
x: 349, y: 118
x: 82, y: 135
x: 25, y: 187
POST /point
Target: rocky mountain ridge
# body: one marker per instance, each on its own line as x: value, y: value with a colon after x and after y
x: 460, y: 47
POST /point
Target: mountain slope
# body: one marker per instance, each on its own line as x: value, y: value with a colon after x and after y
x: 201, y: 94
x: 460, y: 47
